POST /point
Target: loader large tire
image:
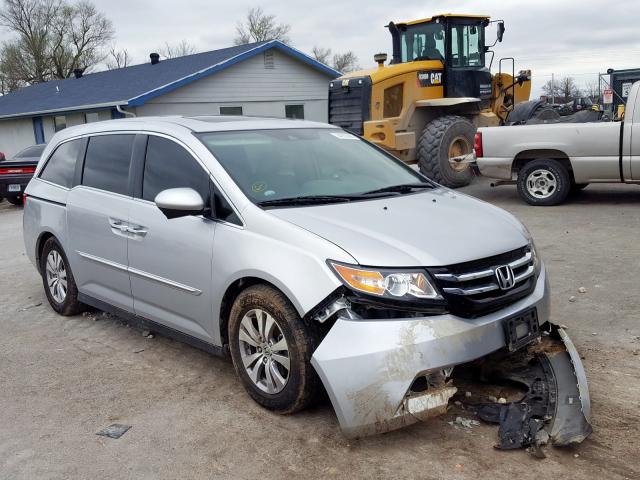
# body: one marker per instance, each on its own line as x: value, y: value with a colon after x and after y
x: 441, y: 139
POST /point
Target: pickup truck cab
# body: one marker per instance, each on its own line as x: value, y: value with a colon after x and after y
x: 549, y: 161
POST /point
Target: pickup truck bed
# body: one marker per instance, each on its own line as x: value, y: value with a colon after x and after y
x: 548, y: 161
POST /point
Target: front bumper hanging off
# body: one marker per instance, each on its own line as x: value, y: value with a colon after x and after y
x: 382, y: 375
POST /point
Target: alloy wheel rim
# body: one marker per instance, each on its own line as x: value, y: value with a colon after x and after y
x: 541, y: 183
x: 56, y: 276
x: 264, y: 351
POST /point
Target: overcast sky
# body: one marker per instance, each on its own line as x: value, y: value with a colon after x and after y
x: 566, y: 37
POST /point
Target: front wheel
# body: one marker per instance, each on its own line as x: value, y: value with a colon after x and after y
x: 271, y: 348
x: 544, y: 182
x: 442, y: 139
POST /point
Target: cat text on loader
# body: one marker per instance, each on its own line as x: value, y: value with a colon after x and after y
x: 426, y: 104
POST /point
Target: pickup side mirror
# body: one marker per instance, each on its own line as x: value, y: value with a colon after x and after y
x: 179, y: 202
x: 500, y: 32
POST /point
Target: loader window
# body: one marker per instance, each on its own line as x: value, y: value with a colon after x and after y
x: 467, y: 46
x: 422, y: 42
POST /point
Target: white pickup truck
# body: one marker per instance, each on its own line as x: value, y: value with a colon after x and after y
x: 549, y: 161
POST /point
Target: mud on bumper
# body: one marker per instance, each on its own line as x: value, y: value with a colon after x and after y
x: 370, y: 367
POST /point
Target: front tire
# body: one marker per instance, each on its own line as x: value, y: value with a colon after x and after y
x: 544, y: 182
x: 57, y: 278
x: 271, y: 349
x: 443, y: 138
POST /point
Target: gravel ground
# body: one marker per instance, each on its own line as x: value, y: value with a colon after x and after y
x: 63, y: 379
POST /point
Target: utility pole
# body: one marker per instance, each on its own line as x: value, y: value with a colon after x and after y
x: 553, y: 91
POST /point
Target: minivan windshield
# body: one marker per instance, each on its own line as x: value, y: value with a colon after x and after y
x: 317, y: 165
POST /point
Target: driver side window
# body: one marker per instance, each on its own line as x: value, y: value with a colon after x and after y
x: 168, y: 165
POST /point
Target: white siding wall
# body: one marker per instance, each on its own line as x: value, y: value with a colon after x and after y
x: 259, y: 90
x: 16, y: 135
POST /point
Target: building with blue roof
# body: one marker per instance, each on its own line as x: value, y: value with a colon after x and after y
x: 259, y: 79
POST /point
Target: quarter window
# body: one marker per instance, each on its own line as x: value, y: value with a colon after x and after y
x: 168, y: 165
x: 60, y: 169
x: 106, y: 165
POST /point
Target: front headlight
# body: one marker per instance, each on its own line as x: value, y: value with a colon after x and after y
x: 534, y: 257
x: 396, y: 284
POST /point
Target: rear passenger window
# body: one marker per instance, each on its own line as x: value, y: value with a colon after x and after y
x: 106, y: 165
x: 168, y: 165
x: 60, y: 169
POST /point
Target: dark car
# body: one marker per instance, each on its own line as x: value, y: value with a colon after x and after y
x: 16, y: 173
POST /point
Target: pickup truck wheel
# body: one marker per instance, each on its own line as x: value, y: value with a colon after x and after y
x: 15, y: 199
x: 271, y: 348
x: 59, y: 284
x: 544, y: 182
x: 444, y: 138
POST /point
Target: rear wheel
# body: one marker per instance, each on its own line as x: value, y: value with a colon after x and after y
x: 271, y: 348
x: 544, y: 182
x: 59, y: 284
x: 15, y: 199
x: 442, y: 139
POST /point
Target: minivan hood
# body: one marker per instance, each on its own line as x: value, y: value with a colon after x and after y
x: 431, y: 228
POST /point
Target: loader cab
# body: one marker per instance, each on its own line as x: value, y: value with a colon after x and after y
x: 456, y: 41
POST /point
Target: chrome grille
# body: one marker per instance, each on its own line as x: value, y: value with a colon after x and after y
x: 472, y: 288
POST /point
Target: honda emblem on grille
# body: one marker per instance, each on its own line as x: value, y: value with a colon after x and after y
x: 505, y: 277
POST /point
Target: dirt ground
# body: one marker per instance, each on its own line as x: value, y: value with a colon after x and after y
x: 62, y: 379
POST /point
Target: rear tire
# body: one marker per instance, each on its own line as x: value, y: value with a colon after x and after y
x: 15, y: 200
x: 265, y: 335
x: 441, y: 136
x: 57, y: 278
x: 544, y: 182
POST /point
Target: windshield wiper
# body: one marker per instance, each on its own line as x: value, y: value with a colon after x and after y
x: 403, y: 188
x: 307, y: 199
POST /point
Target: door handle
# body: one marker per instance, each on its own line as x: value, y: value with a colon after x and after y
x: 137, y: 230
x: 118, y: 224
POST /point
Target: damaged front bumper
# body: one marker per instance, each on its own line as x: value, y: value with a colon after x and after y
x: 385, y: 374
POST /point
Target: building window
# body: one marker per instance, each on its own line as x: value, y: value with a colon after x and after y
x: 59, y: 123
x: 268, y: 59
x: 230, y: 110
x: 91, y: 117
x: 295, y: 112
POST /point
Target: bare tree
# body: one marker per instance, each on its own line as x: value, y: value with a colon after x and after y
x: 345, y: 62
x: 118, y: 59
x: 342, y: 62
x: 32, y: 21
x: 50, y: 38
x: 563, y: 89
x: 177, y: 50
x: 260, y: 27
x: 323, y: 55
x: 592, y: 90
x: 80, y: 34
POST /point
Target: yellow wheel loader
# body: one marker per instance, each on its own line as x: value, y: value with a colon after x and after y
x: 427, y: 102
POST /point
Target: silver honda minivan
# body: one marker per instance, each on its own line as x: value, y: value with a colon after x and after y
x: 313, y: 258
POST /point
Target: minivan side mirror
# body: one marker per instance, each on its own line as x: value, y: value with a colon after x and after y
x: 179, y: 202
x: 500, y: 31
